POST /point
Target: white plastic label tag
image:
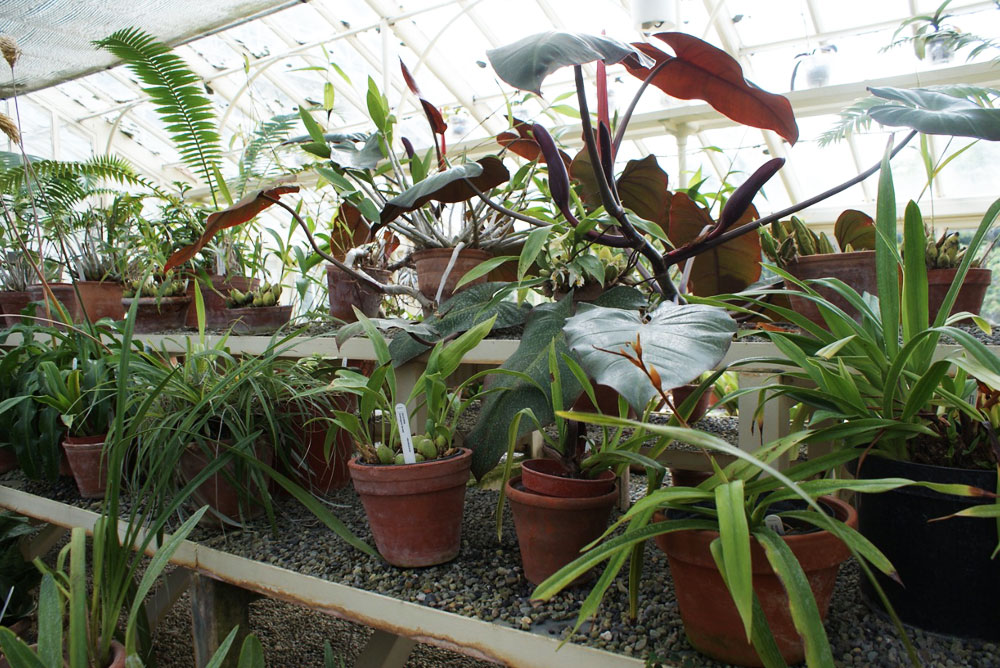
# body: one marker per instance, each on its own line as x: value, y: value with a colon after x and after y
x: 773, y: 522
x: 403, y: 420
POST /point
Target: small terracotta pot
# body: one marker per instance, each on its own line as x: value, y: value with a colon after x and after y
x: 713, y: 625
x: 681, y: 393
x: 415, y: 510
x: 11, y: 305
x: 430, y: 264
x: 688, y: 477
x: 8, y: 459
x: 88, y: 463
x: 312, y: 469
x: 551, y: 531
x: 216, y: 313
x: 346, y: 292
x: 217, y: 492
x: 970, y: 295
x: 607, y: 401
x: 64, y: 294
x: 258, y: 319
x: 856, y: 269
x: 100, y: 299
x: 159, y: 315
x: 548, y: 477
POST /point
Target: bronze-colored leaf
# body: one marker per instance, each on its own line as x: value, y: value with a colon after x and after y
x: 855, y: 229
x: 701, y: 71
x: 350, y: 230
x: 520, y: 141
x: 643, y: 188
x: 238, y: 213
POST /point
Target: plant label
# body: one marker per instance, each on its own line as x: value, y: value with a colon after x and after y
x: 403, y: 420
x: 773, y: 522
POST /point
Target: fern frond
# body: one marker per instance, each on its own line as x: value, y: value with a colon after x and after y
x: 266, y: 137
x: 87, y: 173
x: 177, y: 95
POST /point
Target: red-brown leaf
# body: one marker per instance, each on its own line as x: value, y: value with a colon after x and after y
x: 237, y: 214
x: 701, y: 71
x: 434, y: 117
x: 411, y: 83
x: 521, y: 142
x: 350, y: 230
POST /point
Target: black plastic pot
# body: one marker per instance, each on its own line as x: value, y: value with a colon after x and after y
x: 951, y: 584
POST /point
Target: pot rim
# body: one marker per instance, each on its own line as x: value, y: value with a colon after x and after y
x: 529, y: 498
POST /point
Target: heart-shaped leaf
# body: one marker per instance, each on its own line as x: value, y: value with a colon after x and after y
x: 642, y: 186
x: 447, y: 186
x: 701, y: 71
x: 525, y: 63
x: 519, y: 141
x: 936, y: 113
x: 238, y: 213
x: 679, y: 342
x: 731, y: 267
x: 347, y: 155
x: 855, y: 229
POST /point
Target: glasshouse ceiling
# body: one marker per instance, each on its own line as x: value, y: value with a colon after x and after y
x: 261, y: 60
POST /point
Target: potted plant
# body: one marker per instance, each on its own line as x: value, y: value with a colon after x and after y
x: 351, y: 241
x: 412, y: 485
x: 257, y: 311
x: 943, y: 259
x: 928, y: 411
x: 93, y: 245
x: 162, y: 301
x: 15, y: 276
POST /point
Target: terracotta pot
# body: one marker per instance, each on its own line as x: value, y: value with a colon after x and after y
x: 88, y: 463
x: 345, y: 292
x: 64, y: 294
x: 312, y: 469
x: 681, y: 393
x: 856, y: 269
x: 101, y: 299
x: 711, y: 621
x: 548, y: 477
x: 970, y: 295
x: 258, y: 319
x: 159, y: 315
x: 430, y: 264
x: 216, y: 313
x: 551, y: 531
x: 11, y: 305
x: 8, y: 459
x: 688, y: 477
x: 607, y: 401
x: 950, y: 584
x: 415, y: 510
x: 218, y: 492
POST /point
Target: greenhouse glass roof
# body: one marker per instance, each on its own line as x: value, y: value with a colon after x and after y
x: 261, y: 60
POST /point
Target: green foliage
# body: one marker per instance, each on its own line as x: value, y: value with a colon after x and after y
x: 17, y: 577
x: 177, y: 93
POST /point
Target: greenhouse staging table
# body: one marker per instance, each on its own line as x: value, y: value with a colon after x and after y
x: 223, y: 583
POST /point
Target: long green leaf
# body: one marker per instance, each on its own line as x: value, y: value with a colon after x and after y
x: 886, y: 265
x: 734, y: 536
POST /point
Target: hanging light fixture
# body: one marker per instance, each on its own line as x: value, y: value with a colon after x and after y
x: 650, y: 15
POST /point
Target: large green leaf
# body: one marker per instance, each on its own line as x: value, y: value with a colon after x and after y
x: 680, y: 342
x: 525, y: 63
x: 935, y: 113
x: 488, y: 438
x: 447, y: 186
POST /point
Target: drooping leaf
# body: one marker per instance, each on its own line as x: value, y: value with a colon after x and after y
x: 347, y: 155
x: 488, y: 438
x: 447, y: 186
x: 935, y: 113
x: 701, y: 71
x: 643, y: 188
x: 854, y: 229
x: 519, y: 141
x: 558, y: 176
x: 350, y: 230
x: 729, y: 268
x: 679, y: 342
x: 525, y: 63
x: 742, y: 197
x: 239, y: 213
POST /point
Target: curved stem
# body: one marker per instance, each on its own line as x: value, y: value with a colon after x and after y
x: 627, y: 116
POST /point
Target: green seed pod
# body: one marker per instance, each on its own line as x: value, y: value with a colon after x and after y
x: 441, y: 442
x: 385, y: 454
x: 258, y: 301
x: 399, y: 459
x: 268, y: 299
x: 419, y: 457
x: 427, y: 449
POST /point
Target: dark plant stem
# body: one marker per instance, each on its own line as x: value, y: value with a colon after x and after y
x: 627, y: 116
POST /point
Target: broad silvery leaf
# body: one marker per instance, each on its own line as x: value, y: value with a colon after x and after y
x: 936, y: 113
x: 680, y: 342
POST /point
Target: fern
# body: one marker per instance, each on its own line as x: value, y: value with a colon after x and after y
x: 265, y: 138
x: 84, y: 174
x: 176, y: 92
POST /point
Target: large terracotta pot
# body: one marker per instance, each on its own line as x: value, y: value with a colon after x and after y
x: 159, y: 315
x: 8, y: 459
x: 311, y: 466
x: 217, y: 316
x: 856, y: 269
x: 101, y: 299
x: 218, y: 492
x: 88, y: 463
x: 551, y: 530
x: 711, y: 622
x: 346, y: 292
x: 258, y: 319
x: 64, y: 294
x: 950, y: 583
x: 11, y: 305
x: 548, y: 477
x: 430, y: 264
x: 970, y: 295
x: 415, y: 510
x: 680, y: 394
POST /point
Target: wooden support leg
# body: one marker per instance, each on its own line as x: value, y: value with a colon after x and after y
x: 216, y: 608
x: 40, y: 544
x: 172, y: 586
x: 385, y: 650
x: 773, y: 420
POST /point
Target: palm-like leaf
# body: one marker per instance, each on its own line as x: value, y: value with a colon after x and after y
x: 177, y: 94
